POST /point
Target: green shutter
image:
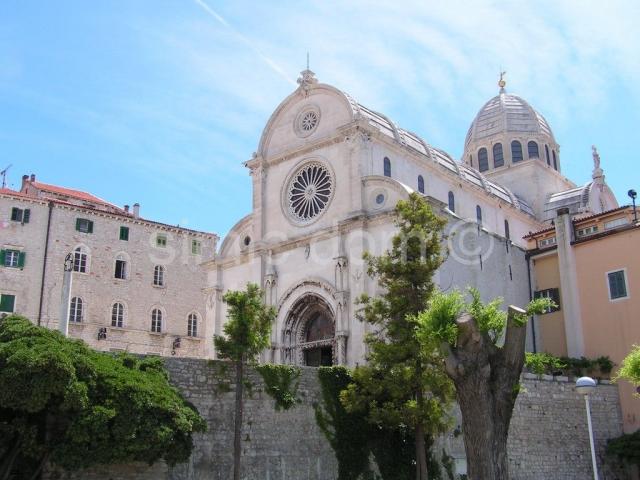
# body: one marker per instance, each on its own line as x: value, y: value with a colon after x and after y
x: 90, y: 226
x: 21, y: 258
x: 77, y: 224
x: 26, y: 216
x: 16, y: 214
x: 3, y: 254
x: 7, y: 303
x: 124, y: 233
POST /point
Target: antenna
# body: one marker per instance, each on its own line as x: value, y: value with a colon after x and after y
x: 4, y: 176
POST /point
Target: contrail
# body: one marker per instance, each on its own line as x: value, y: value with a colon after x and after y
x: 273, y: 65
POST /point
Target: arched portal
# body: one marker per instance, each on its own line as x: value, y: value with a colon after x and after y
x: 309, y: 333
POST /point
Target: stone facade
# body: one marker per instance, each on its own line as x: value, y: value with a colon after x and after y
x: 548, y: 438
x: 36, y: 285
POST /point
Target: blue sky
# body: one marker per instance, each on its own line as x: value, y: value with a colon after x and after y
x: 160, y: 101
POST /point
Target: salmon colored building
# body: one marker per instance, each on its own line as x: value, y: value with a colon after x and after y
x: 590, y: 266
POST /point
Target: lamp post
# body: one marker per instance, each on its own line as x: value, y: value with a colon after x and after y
x: 65, y: 301
x: 585, y: 386
x: 632, y: 194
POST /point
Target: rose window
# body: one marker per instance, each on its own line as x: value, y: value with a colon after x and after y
x: 309, y: 121
x: 309, y: 192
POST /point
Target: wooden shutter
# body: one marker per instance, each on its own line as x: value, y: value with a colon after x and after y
x: 26, y: 216
x: 90, y: 230
x: 21, y: 258
x: 3, y: 254
x: 7, y: 303
x: 77, y: 224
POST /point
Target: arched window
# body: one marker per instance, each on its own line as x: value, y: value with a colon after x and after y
x: 156, y: 320
x: 158, y: 276
x: 507, y: 235
x: 319, y: 328
x: 546, y: 151
x: 479, y: 214
x: 420, y: 184
x: 533, y: 149
x: 121, y: 267
x: 452, y: 202
x: 117, y: 315
x: 498, y: 156
x: 76, y: 310
x: 81, y: 260
x: 387, y: 167
x: 516, y: 151
x: 483, y: 160
x: 192, y: 325
x: 555, y: 161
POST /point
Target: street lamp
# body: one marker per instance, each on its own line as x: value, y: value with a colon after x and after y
x: 585, y: 386
x: 632, y: 194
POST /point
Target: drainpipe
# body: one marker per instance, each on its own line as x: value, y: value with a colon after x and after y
x: 44, y: 262
x: 533, y: 324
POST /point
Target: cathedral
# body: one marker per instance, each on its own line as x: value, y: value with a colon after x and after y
x: 326, y: 177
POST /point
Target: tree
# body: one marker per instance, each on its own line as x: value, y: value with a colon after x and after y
x: 402, y: 383
x: 630, y: 368
x: 63, y: 403
x: 247, y: 333
x: 486, y: 375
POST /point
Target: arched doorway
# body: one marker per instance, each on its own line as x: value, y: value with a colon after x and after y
x: 309, y: 333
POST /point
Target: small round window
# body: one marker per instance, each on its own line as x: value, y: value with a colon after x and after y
x: 307, y: 121
x: 246, y: 241
x: 380, y: 199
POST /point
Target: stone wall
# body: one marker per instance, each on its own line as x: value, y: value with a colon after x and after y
x: 548, y: 436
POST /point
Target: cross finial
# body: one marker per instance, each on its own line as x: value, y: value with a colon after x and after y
x: 502, y: 82
x: 307, y: 60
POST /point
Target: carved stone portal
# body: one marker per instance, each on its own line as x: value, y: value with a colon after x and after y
x: 309, y: 335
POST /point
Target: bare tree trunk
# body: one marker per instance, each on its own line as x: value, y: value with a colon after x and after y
x: 421, y: 455
x: 237, y: 433
x: 38, y: 471
x: 486, y: 379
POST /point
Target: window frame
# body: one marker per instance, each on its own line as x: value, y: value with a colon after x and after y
x: 84, y: 221
x: 157, y: 318
x: 196, y: 247
x: 124, y: 233
x: 124, y: 269
x: 483, y: 160
x: 76, y: 305
x: 117, y: 315
x: 553, y: 294
x: 626, y: 284
x: 78, y: 253
x: 13, y: 258
x: 161, y: 240
x: 513, y: 151
x: 387, y: 167
x: 537, y: 154
x: 498, y: 153
x: 158, y: 276
x: 192, y: 324
x: 24, y: 215
x: 451, y: 202
x: 420, y: 184
x: 479, y: 215
x: 13, y: 306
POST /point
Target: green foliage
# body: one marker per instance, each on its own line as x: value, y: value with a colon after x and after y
x: 355, y: 439
x: 630, y: 368
x: 438, y: 321
x: 626, y: 448
x: 543, y: 363
x: 347, y: 433
x: 281, y: 383
x: 402, y: 383
x: 75, y: 407
x: 248, y: 327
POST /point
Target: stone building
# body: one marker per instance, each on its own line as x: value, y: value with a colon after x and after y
x: 327, y: 175
x: 137, y: 285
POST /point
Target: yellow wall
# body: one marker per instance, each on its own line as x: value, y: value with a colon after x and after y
x: 611, y: 327
x: 551, y: 334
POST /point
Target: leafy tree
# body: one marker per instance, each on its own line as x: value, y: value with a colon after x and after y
x: 403, y: 383
x: 630, y: 368
x: 484, y: 370
x: 247, y: 333
x: 64, y: 403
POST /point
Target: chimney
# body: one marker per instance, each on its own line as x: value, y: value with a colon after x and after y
x: 33, y: 177
x: 136, y: 210
x: 25, y: 179
x: 126, y: 208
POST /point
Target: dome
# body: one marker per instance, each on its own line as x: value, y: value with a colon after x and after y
x: 507, y: 113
